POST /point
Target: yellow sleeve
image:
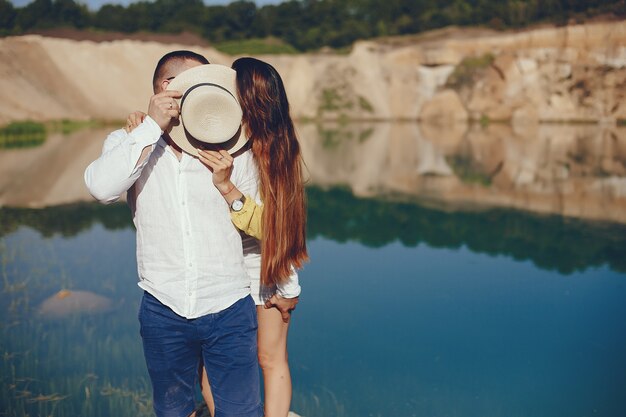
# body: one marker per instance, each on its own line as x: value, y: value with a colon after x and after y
x: 248, y: 219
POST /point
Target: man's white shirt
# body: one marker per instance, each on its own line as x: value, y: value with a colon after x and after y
x: 189, y: 254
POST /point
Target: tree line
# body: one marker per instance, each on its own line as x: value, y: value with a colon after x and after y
x: 303, y: 24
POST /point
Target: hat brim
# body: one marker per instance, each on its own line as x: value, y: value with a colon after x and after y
x: 189, y: 144
x: 211, y: 73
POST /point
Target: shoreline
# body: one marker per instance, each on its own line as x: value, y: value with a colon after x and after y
x: 56, y: 124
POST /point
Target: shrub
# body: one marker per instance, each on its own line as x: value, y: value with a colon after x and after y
x: 22, y: 134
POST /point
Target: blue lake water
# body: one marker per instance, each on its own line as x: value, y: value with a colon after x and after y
x: 406, y: 310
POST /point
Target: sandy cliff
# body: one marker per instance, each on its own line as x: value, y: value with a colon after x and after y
x: 50, y: 78
x: 573, y: 73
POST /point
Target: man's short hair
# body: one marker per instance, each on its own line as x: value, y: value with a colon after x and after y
x: 170, y: 58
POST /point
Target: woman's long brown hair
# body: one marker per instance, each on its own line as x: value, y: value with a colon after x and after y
x: 277, y: 153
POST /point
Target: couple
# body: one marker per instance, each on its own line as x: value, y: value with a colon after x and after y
x: 215, y: 143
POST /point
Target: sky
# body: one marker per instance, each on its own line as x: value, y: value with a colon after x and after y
x: 95, y: 4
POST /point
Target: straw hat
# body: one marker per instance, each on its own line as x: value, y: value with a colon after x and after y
x: 210, y: 115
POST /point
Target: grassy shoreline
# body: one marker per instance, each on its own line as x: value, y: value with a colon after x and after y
x: 29, y: 133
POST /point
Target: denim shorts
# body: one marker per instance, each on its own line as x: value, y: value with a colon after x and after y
x: 225, y: 341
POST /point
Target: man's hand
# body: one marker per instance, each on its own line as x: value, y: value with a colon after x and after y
x: 163, y: 108
x: 134, y: 119
x: 284, y: 305
x: 221, y: 164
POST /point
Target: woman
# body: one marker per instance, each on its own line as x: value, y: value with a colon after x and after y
x: 276, y: 150
x: 279, y: 223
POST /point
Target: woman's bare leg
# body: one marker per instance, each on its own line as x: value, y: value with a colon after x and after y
x: 206, y: 390
x: 272, y: 339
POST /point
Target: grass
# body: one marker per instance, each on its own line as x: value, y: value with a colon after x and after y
x: 465, y: 169
x: 332, y: 100
x: 76, y: 366
x: 257, y: 46
x: 365, y: 134
x: 29, y: 133
x: 22, y: 134
x: 364, y: 104
x: 465, y: 73
x: 66, y: 126
x: 332, y: 138
x: 341, y: 103
x: 342, y: 131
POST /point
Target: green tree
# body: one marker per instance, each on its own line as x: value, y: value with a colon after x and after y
x: 214, y: 28
x: 69, y: 13
x: 7, y: 17
x: 239, y: 17
x: 304, y: 24
x: 42, y: 14
x: 116, y: 18
x: 185, y: 16
x: 34, y: 14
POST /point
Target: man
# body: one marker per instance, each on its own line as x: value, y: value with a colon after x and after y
x: 196, y: 305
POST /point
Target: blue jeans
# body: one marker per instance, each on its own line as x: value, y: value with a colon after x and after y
x: 225, y: 341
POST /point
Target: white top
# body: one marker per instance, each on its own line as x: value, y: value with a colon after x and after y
x: 189, y: 254
x: 261, y: 293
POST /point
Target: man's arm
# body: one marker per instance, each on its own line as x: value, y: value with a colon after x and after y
x: 123, y: 157
x: 125, y: 154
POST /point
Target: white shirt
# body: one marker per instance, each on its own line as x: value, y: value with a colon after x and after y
x: 189, y: 254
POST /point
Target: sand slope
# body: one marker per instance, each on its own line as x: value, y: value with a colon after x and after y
x: 49, y: 78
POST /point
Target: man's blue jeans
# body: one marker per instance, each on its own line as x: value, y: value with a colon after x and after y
x: 225, y: 341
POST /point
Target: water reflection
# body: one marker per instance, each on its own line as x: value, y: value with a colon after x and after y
x: 400, y: 302
x: 549, y: 241
x: 82, y: 363
x: 572, y: 170
x: 435, y: 311
x: 27, y: 134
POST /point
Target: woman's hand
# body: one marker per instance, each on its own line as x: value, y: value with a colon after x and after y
x: 284, y: 305
x: 133, y: 120
x: 221, y: 165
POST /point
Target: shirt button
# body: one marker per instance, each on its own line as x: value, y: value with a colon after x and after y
x: 190, y: 264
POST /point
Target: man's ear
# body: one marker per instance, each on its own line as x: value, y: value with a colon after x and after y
x: 165, y: 84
